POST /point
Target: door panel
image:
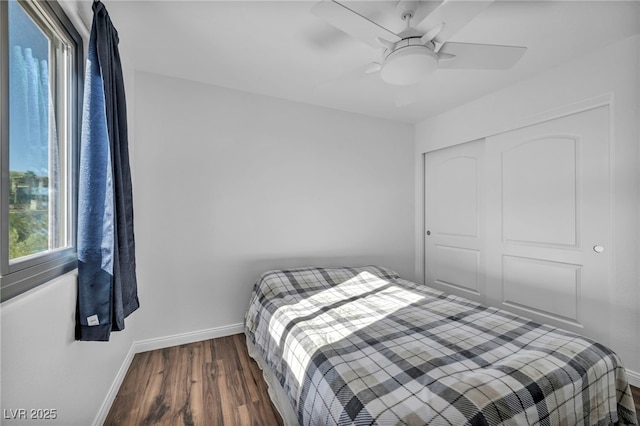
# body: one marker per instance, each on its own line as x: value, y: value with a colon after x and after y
x: 456, y: 197
x: 458, y: 267
x: 531, y: 281
x: 453, y: 248
x: 539, y: 191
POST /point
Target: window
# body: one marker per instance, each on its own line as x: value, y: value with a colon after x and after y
x: 40, y: 78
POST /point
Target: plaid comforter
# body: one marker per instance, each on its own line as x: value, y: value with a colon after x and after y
x: 363, y: 346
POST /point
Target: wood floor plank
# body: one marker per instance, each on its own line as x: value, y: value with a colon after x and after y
x: 172, y: 389
x: 178, y: 386
x: 211, y: 353
x: 196, y: 394
x: 155, y: 407
x: 227, y: 403
x: 243, y: 415
x: 266, y: 413
x: 247, y: 376
x: 126, y: 398
x: 236, y: 385
x: 212, y: 414
x: 636, y: 399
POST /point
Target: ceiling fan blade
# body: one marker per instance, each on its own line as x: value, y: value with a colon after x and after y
x: 424, y: 9
x: 444, y: 57
x: 386, y: 44
x: 480, y: 56
x: 372, y: 67
x: 430, y: 35
x: 455, y: 14
x: 352, y: 23
x: 350, y: 76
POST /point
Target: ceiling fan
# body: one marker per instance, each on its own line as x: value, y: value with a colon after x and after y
x: 410, y: 55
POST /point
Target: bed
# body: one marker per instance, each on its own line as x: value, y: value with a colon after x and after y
x: 363, y: 346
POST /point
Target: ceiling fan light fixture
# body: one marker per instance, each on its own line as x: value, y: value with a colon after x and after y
x: 408, y: 65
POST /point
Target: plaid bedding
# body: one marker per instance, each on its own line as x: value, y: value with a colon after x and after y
x: 363, y: 346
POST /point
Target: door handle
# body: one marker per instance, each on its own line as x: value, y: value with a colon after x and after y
x: 598, y: 248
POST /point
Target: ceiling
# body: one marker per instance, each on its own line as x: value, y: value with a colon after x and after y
x: 280, y: 49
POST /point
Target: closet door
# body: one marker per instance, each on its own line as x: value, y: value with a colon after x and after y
x: 548, y: 202
x: 454, y: 215
x: 521, y: 221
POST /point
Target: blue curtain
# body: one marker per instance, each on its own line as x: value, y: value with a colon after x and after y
x: 107, y: 287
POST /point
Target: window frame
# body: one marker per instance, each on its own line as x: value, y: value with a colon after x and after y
x: 24, y: 274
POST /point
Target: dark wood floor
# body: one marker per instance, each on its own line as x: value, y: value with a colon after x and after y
x: 213, y: 382
x: 636, y: 399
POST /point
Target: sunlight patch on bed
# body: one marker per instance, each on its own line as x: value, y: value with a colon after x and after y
x: 373, y: 299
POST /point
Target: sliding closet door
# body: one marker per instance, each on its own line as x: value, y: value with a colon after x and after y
x: 521, y: 221
x: 454, y: 211
x: 548, y: 251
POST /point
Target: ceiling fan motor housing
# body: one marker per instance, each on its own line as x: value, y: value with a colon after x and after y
x: 408, y: 62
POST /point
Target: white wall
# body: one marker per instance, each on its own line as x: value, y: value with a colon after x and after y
x: 44, y: 367
x: 611, y: 72
x: 230, y: 184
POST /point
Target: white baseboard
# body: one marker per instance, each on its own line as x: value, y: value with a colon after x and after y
x: 184, y: 338
x: 159, y: 343
x: 113, y: 390
x: 633, y: 378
